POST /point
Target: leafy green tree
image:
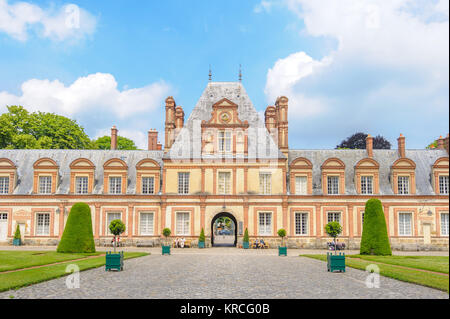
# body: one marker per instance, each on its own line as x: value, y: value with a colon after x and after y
x: 78, y: 236
x: 432, y: 145
x: 104, y: 143
x: 358, y: 141
x: 282, y: 234
x: 116, y: 227
x: 166, y: 233
x: 20, y: 129
x: 374, y: 239
x: 333, y: 229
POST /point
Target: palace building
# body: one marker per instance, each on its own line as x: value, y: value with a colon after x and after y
x: 226, y: 161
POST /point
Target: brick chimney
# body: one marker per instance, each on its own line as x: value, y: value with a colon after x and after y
x: 114, y: 138
x: 446, y: 143
x: 440, y: 143
x: 401, y: 146
x: 369, y: 145
x: 179, y: 117
x: 159, y: 146
x: 152, y: 140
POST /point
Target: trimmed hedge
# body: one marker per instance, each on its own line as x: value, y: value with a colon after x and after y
x: 375, y: 240
x: 78, y: 236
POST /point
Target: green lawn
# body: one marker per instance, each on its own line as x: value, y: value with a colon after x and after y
x: 22, y: 278
x: 11, y: 260
x: 437, y: 281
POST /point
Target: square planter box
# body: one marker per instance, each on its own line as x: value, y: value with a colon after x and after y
x: 282, y: 251
x: 336, y: 262
x: 246, y: 245
x: 114, y: 261
x: 166, y: 250
x: 201, y: 244
x: 17, y: 242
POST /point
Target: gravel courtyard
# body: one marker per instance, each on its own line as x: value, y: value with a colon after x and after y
x: 224, y: 273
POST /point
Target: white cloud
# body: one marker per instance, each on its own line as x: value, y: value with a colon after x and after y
x: 97, y: 92
x: 263, y: 6
x: 68, y: 22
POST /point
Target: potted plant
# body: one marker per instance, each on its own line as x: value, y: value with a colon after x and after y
x: 201, y: 239
x: 282, y: 250
x: 246, y: 241
x: 113, y: 260
x: 166, y: 248
x: 335, y: 262
x: 17, y: 241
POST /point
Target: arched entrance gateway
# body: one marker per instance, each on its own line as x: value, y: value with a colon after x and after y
x: 223, y: 230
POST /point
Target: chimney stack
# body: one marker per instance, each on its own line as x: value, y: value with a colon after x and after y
x: 152, y: 140
x: 440, y: 143
x: 369, y: 145
x: 113, y: 138
x: 401, y: 146
x: 159, y: 146
x: 446, y: 143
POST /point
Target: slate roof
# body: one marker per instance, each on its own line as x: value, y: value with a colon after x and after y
x: 424, y: 160
x: 24, y: 160
x: 260, y: 143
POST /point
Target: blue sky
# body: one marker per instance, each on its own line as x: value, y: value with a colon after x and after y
x: 346, y: 66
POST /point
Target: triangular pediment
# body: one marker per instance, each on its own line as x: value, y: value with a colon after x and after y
x: 224, y: 103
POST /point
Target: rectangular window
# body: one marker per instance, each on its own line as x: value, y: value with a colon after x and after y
x: 115, y: 185
x: 81, y: 184
x: 110, y: 218
x: 265, y: 183
x: 301, y: 185
x: 265, y: 223
x: 443, y: 185
x: 45, y: 184
x: 333, y: 185
x: 224, y: 183
x: 404, y: 224
x: 42, y: 224
x: 444, y: 224
x: 4, y: 185
x: 183, y: 223
x: 362, y: 220
x: 3, y: 216
x: 334, y: 217
x: 183, y: 183
x: 148, y: 185
x: 224, y: 141
x: 146, y: 223
x: 403, y: 185
x: 366, y: 185
x: 301, y: 223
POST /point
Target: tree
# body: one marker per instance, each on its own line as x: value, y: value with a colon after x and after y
x: 246, y: 239
x: 20, y: 129
x: 166, y: 233
x: 104, y: 143
x: 77, y: 236
x: 282, y: 234
x: 17, y: 233
x: 432, y: 145
x: 374, y: 239
x: 358, y: 141
x: 116, y: 228
x: 333, y: 229
x: 202, y: 238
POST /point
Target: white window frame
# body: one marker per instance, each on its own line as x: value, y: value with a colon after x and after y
x: 183, y: 223
x: 224, y: 141
x: 110, y: 219
x: 3, y: 216
x: 301, y: 185
x: 367, y: 184
x: 443, y: 184
x: 403, y: 185
x: 42, y: 224
x: 4, y: 185
x: 115, y: 185
x: 403, y: 228
x: 301, y: 223
x: 265, y: 183
x: 265, y: 223
x: 146, y: 227
x: 333, y: 218
x: 333, y: 184
x: 224, y: 183
x: 148, y: 185
x: 81, y: 184
x: 444, y: 224
x: 183, y: 183
x: 45, y: 184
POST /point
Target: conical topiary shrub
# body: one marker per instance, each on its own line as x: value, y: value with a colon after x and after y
x: 17, y: 233
x: 78, y: 236
x: 375, y: 240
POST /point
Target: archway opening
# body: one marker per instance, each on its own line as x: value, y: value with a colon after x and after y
x: 224, y: 230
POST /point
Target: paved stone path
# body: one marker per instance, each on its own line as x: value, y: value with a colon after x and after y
x: 224, y: 273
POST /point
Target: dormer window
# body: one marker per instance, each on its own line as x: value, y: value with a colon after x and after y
x: 115, y: 176
x: 443, y: 184
x: 4, y: 185
x: 45, y: 176
x: 45, y: 184
x: 403, y: 177
x: 82, y: 176
x: 115, y: 185
x: 403, y: 185
x: 224, y: 140
x: 333, y: 177
x: 8, y: 176
x: 81, y: 184
x: 440, y: 176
